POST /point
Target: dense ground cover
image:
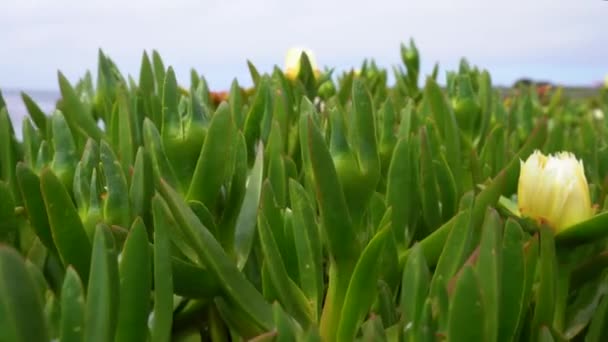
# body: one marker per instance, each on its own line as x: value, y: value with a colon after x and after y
x: 311, y: 206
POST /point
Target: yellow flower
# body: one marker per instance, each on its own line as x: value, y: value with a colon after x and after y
x: 554, y: 190
x: 292, y: 62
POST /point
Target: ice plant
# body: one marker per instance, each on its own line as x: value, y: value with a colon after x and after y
x: 553, y: 190
x: 292, y: 62
x: 326, y: 208
x: 598, y: 114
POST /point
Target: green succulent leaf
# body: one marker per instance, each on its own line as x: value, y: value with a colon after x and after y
x: 512, y: 282
x: 73, y: 306
x: 21, y: 311
x: 103, y: 288
x: 67, y: 230
x: 135, y: 272
x: 467, y: 319
x: 77, y: 115
x: 361, y: 289
x: 163, y: 280
x: 233, y: 283
x: 246, y: 219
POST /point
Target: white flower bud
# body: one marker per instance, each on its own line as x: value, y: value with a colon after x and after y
x: 554, y: 190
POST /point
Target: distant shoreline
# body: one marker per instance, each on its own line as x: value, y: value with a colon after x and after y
x: 47, y: 98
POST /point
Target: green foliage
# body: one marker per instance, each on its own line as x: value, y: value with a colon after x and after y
x: 313, y: 208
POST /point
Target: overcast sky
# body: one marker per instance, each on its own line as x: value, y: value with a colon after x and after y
x: 558, y: 40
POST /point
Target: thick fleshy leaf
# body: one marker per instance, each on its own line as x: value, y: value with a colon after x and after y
x: 531, y: 256
x: 146, y: 75
x: 171, y: 127
x: 235, y: 194
x: 589, y: 269
x: 447, y: 188
x: 433, y: 245
x: 512, y: 281
x: 545, y: 335
x: 10, y: 153
x: 65, y: 154
x: 428, y: 184
x: 8, y: 220
x: 236, y: 104
x: 598, y: 328
x: 448, y: 127
x: 290, y: 296
x: 399, y: 182
x: 373, y: 330
x: 245, y: 223
x: 193, y: 281
x: 159, y: 70
x: 72, y: 308
x: 68, y: 231
x: 255, y: 75
x: 214, y: 159
x: 126, y: 130
x: 236, y: 288
x: 135, y: 273
x: 387, y: 136
x: 31, y: 142
x: 590, y: 230
x: 141, y: 187
x: 306, y: 75
x: 584, y: 307
x: 414, y: 287
x: 37, y: 115
x: 21, y: 315
x: 286, y: 327
x: 89, y: 162
x: 457, y: 247
x: 364, y: 136
x: 236, y: 320
x: 276, y: 168
x: 182, y: 134
x: 485, y: 104
x: 163, y: 276
x: 76, y: 113
x: 116, y: 207
x: 160, y: 164
x: 467, y: 310
x: 361, y: 288
x: 277, y: 222
x: 29, y: 183
x: 308, y: 245
x: 335, y: 217
x: 489, y: 271
x: 385, y: 304
x: 253, y: 122
x: 103, y: 289
x: 546, y: 292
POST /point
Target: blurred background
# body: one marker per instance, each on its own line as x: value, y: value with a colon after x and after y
x: 559, y: 41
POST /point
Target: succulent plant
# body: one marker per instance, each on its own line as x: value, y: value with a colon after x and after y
x: 306, y: 208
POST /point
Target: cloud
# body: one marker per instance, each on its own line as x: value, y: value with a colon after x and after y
x: 217, y: 37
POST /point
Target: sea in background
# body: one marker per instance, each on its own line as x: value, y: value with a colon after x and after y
x: 17, y: 111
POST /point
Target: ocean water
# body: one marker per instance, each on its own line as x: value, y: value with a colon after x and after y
x: 17, y: 111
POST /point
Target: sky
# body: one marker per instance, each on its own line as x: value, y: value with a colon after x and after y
x: 563, y: 41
